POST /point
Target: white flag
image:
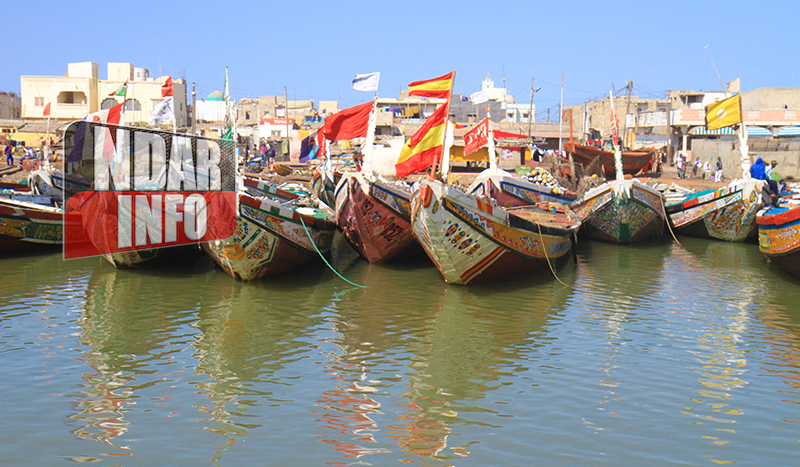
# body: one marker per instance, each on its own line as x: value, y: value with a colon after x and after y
x: 368, y: 82
x: 162, y: 112
x: 479, y: 97
x: 734, y: 86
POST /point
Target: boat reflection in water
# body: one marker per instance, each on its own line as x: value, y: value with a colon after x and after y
x: 455, y: 350
x: 128, y: 321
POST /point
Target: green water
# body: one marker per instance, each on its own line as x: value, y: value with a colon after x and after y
x: 653, y: 354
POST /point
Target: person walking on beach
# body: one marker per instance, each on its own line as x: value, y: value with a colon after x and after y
x: 718, y: 173
x: 680, y: 165
x: 696, y: 166
x: 9, y: 156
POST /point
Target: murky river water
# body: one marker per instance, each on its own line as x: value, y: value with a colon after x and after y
x: 655, y: 354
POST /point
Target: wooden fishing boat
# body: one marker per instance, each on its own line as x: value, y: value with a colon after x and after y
x: 727, y: 213
x: 323, y: 184
x: 510, y: 190
x: 632, y: 161
x: 471, y: 240
x: 374, y: 215
x: 27, y: 226
x: 273, y: 236
x: 258, y: 187
x: 621, y: 211
x: 779, y: 235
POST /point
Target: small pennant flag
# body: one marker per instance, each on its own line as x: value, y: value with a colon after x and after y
x: 46, y: 112
x: 121, y: 91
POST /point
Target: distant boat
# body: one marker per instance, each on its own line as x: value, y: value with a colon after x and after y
x: 727, y: 213
x: 471, y: 240
x: 632, y: 161
x: 374, y: 215
x: 621, y: 211
x: 779, y: 235
x: 273, y: 236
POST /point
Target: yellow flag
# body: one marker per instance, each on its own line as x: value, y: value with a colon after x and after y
x: 724, y: 113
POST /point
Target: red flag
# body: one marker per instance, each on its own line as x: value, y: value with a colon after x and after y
x: 476, y: 137
x: 46, y: 112
x: 352, y: 122
x: 166, y: 88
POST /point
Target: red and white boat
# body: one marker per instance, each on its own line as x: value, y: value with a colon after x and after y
x: 374, y: 215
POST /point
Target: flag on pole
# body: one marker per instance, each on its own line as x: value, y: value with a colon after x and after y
x: 734, y: 86
x: 121, y: 91
x: 166, y: 88
x: 352, y: 122
x: 162, y: 112
x: 724, y: 113
x: 46, y: 111
x: 437, y: 87
x: 424, y: 146
x: 104, y: 140
x: 367, y: 82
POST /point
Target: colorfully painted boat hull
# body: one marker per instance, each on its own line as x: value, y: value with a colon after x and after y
x: 779, y: 237
x: 270, y: 238
x: 374, y: 216
x: 472, y: 241
x: 511, y: 191
x: 28, y: 226
x: 621, y: 211
x: 728, y: 213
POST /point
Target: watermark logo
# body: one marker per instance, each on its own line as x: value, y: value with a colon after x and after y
x: 128, y: 189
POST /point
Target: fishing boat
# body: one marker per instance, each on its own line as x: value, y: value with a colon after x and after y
x: 512, y: 190
x: 727, y: 213
x: 779, y: 234
x: 28, y: 226
x: 374, y: 215
x: 621, y: 211
x: 471, y: 240
x: 323, y: 184
x: 273, y: 236
x: 632, y: 161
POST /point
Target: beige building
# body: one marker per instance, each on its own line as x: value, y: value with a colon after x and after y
x: 81, y: 92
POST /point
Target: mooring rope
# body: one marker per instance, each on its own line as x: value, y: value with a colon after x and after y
x: 666, y: 219
x: 323, y: 257
x: 544, y: 247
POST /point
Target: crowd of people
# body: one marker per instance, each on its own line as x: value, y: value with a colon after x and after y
x: 21, y: 152
x: 698, y: 169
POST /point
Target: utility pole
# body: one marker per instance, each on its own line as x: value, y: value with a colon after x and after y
x: 530, y: 111
x: 627, y: 110
x: 194, y: 110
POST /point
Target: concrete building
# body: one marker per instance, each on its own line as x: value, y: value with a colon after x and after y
x: 10, y: 106
x: 81, y: 92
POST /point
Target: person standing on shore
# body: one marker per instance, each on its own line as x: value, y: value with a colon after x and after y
x: 718, y: 173
x: 9, y: 156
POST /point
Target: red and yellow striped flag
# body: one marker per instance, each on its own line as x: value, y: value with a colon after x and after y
x: 437, y: 87
x: 425, y: 146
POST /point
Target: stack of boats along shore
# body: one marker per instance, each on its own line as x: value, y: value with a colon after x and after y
x: 502, y: 224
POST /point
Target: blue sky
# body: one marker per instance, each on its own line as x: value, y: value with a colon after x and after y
x: 313, y: 48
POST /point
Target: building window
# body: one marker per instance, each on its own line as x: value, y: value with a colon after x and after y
x: 276, y: 132
x: 133, y: 104
x: 38, y: 101
x: 108, y: 103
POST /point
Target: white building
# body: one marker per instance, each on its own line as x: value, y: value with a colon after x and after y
x: 81, y: 92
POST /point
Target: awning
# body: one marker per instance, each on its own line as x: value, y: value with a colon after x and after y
x: 789, y: 131
x: 758, y: 131
x: 701, y: 130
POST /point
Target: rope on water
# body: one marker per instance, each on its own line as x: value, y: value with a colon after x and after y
x: 667, y: 220
x: 323, y: 257
x: 544, y: 247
